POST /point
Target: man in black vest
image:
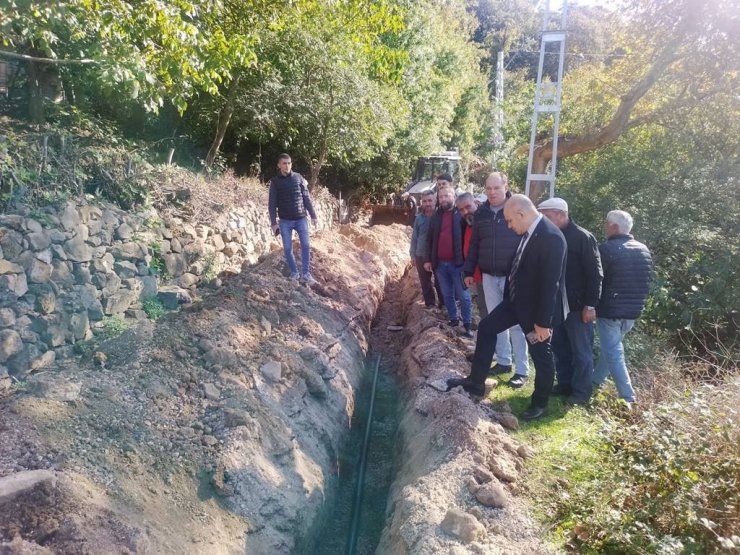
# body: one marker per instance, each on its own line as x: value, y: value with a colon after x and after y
x: 492, y: 249
x: 572, y: 340
x: 291, y: 202
x: 533, y: 298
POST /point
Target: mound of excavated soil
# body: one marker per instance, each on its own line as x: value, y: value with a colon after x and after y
x: 214, y: 430
x: 457, y: 485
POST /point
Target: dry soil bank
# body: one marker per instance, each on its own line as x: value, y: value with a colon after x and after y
x: 215, y: 430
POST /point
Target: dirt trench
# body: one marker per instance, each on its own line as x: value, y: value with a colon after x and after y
x: 456, y: 485
x: 214, y: 430
x: 217, y: 430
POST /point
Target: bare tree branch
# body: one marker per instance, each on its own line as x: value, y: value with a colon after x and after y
x: 53, y: 61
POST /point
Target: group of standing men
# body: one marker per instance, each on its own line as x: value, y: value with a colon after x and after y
x: 543, y: 278
x: 545, y: 282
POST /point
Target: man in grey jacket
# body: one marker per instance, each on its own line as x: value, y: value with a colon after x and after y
x: 418, y: 247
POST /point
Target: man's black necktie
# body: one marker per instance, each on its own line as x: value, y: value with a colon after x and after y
x: 515, y: 264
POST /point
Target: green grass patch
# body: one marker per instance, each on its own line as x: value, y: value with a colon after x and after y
x: 569, y: 453
x: 154, y: 308
x: 113, y: 326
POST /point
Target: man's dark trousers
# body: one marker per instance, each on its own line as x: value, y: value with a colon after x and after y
x: 502, y: 318
x: 425, y: 279
x: 572, y: 345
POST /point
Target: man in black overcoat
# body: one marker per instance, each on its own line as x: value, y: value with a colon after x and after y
x: 533, y: 298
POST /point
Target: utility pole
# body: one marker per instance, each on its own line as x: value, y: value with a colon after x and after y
x: 498, y: 110
x: 547, y: 96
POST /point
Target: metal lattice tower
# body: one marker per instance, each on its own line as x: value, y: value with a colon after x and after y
x: 498, y: 109
x: 548, y: 93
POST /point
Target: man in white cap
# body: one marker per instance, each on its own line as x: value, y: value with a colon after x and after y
x: 572, y: 340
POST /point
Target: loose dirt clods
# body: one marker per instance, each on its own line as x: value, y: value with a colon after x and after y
x: 216, y: 430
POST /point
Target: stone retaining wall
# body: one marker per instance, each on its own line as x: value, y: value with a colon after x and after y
x: 65, y: 269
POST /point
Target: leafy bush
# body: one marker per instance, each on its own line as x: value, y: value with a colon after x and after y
x: 210, y: 266
x: 85, y: 348
x: 154, y: 308
x: 156, y: 264
x: 668, y: 479
x: 76, y: 155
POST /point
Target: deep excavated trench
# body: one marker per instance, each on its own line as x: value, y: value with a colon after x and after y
x: 431, y: 454
x: 197, y: 395
x: 353, y: 520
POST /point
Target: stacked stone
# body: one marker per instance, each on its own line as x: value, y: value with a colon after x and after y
x: 63, y: 269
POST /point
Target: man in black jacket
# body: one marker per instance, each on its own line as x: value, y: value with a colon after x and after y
x: 572, y: 340
x: 533, y: 299
x: 492, y: 249
x: 444, y: 255
x: 627, y: 269
x: 291, y: 202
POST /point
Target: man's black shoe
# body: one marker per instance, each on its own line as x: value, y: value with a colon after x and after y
x: 517, y: 381
x: 532, y: 413
x: 467, y: 333
x: 468, y: 385
x: 499, y: 369
x: 453, y: 323
x: 561, y: 389
x: 577, y: 401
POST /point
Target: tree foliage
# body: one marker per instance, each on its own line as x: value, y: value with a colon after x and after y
x: 150, y: 50
x: 674, y: 56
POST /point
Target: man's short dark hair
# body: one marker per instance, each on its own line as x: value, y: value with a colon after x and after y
x: 284, y: 156
x: 445, y: 177
x: 464, y: 197
x: 428, y: 193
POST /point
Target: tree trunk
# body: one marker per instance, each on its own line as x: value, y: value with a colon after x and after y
x: 316, y: 164
x: 539, y: 165
x: 223, y: 123
x: 569, y: 145
x: 35, y: 96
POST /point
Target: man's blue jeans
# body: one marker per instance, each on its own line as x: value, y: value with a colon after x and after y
x: 611, y: 360
x: 572, y: 345
x: 450, y: 281
x: 286, y: 232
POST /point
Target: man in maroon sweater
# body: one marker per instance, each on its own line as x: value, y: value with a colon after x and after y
x: 444, y: 254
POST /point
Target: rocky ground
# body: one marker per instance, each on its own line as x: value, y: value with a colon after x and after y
x: 211, y: 431
x: 457, y: 488
x: 216, y: 429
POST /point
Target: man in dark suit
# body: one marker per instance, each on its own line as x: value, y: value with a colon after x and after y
x: 533, y: 298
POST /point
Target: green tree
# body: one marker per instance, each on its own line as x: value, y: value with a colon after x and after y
x: 150, y: 50
x: 444, y: 89
x: 676, y: 56
x: 323, y: 84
